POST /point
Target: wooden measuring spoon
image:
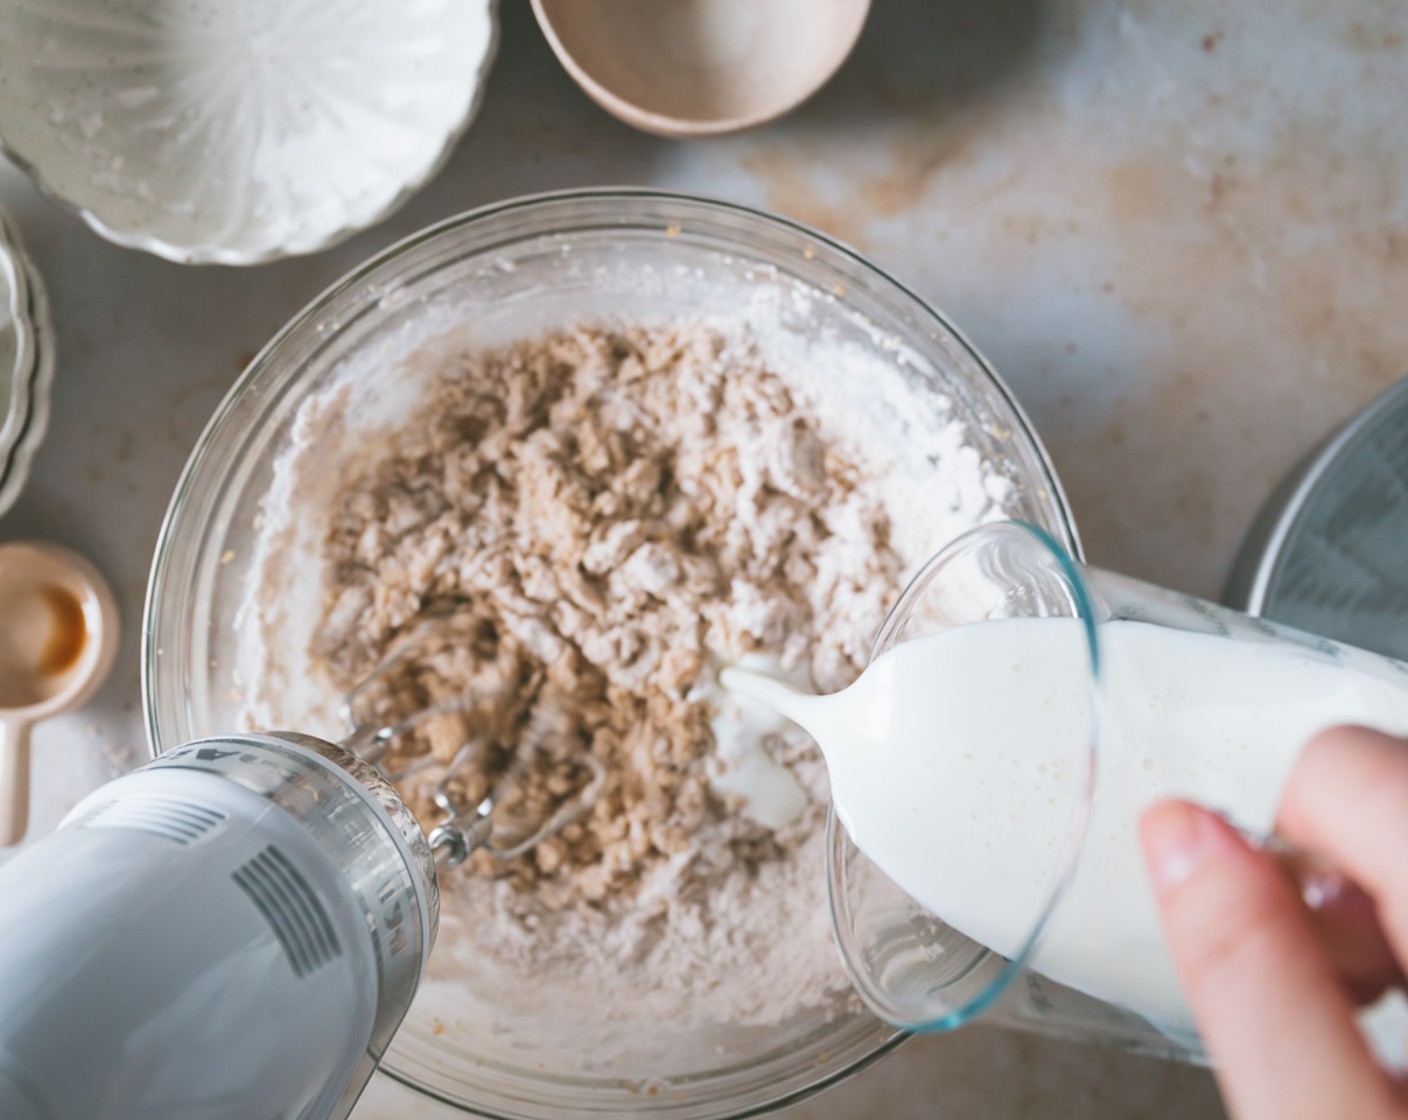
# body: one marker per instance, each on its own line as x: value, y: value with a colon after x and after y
x: 58, y: 635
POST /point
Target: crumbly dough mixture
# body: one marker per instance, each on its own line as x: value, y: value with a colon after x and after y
x: 578, y: 531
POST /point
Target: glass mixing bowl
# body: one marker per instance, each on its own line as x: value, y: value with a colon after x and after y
x: 511, y: 269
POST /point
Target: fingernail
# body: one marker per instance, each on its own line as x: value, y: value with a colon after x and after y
x: 1177, y: 838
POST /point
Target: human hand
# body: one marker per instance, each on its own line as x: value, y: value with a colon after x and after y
x: 1273, y: 986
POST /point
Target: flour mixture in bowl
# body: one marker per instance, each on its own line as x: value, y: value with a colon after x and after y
x: 596, y: 519
x: 604, y: 516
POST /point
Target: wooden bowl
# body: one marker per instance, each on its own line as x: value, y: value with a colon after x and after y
x: 700, y: 67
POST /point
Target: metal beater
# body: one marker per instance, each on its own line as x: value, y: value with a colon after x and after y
x: 466, y: 825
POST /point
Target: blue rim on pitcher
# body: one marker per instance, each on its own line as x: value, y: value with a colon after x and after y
x: 910, y: 967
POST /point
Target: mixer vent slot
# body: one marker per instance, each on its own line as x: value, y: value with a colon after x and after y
x: 292, y: 910
x: 170, y: 817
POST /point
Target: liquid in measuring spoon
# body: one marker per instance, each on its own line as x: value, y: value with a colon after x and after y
x: 43, y: 633
x: 959, y: 763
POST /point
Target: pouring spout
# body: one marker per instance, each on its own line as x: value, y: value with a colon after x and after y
x: 799, y: 707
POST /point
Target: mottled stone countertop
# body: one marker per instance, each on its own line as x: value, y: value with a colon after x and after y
x: 1179, y: 231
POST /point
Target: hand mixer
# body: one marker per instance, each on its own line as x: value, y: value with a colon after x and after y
x: 236, y: 929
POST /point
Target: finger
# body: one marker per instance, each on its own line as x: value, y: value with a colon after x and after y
x: 1347, y: 800
x: 1347, y: 927
x: 1346, y: 922
x: 1273, y: 1015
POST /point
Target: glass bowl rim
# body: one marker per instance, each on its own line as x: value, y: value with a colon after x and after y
x: 222, y: 419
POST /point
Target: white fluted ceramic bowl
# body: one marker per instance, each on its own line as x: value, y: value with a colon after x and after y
x: 26, y: 363
x: 16, y: 344
x: 238, y: 131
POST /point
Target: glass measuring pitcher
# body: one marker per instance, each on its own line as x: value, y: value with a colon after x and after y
x: 1092, y: 696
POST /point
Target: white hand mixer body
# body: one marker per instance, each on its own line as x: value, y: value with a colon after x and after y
x: 234, y: 930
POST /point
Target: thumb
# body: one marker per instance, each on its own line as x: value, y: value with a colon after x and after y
x: 1276, y: 1021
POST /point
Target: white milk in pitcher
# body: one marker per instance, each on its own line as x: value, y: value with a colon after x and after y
x: 958, y: 760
